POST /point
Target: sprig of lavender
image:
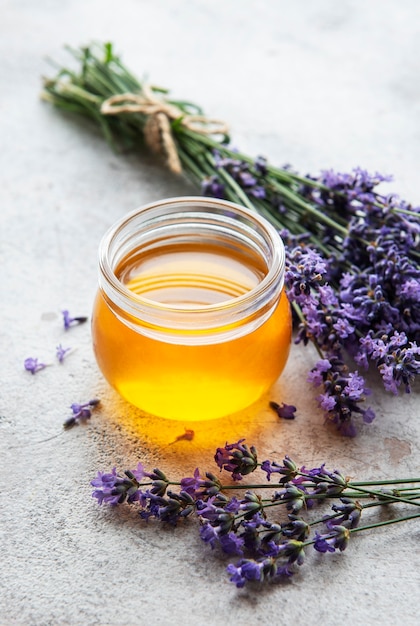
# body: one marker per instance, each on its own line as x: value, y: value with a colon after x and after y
x: 353, y: 273
x: 268, y: 549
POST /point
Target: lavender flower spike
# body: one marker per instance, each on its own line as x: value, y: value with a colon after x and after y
x: 111, y: 488
x: 237, y: 458
x: 252, y: 570
x: 336, y: 539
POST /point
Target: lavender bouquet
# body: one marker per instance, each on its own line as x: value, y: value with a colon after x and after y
x: 266, y: 536
x: 353, y: 275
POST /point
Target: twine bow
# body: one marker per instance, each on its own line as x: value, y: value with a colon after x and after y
x: 157, y: 129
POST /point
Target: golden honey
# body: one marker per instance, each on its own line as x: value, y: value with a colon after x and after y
x: 190, y: 321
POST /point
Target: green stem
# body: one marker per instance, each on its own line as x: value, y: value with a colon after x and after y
x: 308, y: 208
x: 373, y: 493
x: 238, y: 190
x: 384, y: 523
x: 78, y: 92
x: 384, y: 496
x: 189, y: 163
x: 409, y: 496
x: 369, y: 527
x: 396, y: 481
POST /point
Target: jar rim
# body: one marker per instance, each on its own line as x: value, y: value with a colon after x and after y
x: 198, y: 205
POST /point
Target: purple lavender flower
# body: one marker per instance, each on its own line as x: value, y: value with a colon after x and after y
x: 327, y: 402
x: 159, y: 482
x: 192, y: 484
x: 251, y: 504
x: 344, y: 393
x: 210, y: 509
x: 285, y: 411
x: 324, y: 481
x: 150, y: 505
x: 237, y: 458
x: 270, y: 535
x: 336, y: 539
x: 32, y: 365
x: 368, y: 415
x: 209, y: 534
x: 239, y: 526
x: 72, y: 321
x: 169, y: 508
x: 211, y: 186
x: 139, y: 473
x: 377, y: 284
x: 293, y: 495
x: 114, y: 489
x: 61, y: 352
x: 323, y: 543
x: 288, y: 470
x: 105, y: 483
x: 355, y: 387
x: 250, y: 532
x: 343, y: 328
x: 410, y: 289
x: 315, y: 376
x: 258, y: 192
x: 351, y: 513
x: 81, y: 412
x: 297, y: 528
x: 246, y: 178
x: 249, y: 177
x: 354, y: 272
x: 173, y: 507
x: 231, y: 543
x: 198, y: 487
x: 222, y: 519
x: 246, y: 570
x: 397, y: 359
x: 261, y: 165
x: 305, y: 271
x: 294, y: 550
x: 250, y: 570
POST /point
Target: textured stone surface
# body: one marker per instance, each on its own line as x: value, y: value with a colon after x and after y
x: 325, y: 84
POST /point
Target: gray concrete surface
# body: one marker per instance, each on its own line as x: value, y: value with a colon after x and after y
x: 321, y: 84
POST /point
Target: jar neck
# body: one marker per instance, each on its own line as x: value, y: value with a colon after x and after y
x: 179, y: 221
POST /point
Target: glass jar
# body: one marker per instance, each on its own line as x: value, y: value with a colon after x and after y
x: 191, y: 321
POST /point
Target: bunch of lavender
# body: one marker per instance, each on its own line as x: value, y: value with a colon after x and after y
x: 265, y: 547
x: 353, y: 273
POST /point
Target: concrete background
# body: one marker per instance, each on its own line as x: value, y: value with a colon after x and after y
x: 319, y: 85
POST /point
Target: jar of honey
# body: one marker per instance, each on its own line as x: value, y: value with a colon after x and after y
x: 191, y: 321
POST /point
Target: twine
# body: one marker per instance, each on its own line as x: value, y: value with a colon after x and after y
x: 157, y: 130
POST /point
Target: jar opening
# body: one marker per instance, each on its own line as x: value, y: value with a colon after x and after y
x: 191, y: 264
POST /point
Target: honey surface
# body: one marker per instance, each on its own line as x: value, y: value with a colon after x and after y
x: 193, y: 275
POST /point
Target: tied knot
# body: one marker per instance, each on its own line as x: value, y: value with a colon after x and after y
x: 160, y: 113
